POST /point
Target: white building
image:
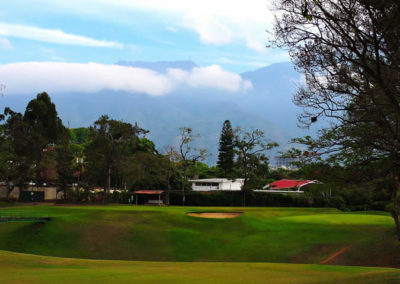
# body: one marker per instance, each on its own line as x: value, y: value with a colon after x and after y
x: 211, y: 184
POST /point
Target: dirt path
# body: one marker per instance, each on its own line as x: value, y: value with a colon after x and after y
x: 336, y: 254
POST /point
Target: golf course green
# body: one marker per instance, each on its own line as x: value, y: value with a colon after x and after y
x: 152, y: 243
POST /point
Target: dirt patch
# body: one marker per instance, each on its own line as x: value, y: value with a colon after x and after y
x: 38, y: 225
x: 335, y: 254
x: 382, y: 250
x: 215, y: 215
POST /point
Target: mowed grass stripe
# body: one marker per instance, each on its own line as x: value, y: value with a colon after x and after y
x: 23, y: 268
x: 342, y: 219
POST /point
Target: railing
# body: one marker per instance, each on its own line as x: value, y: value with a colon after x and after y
x: 10, y: 214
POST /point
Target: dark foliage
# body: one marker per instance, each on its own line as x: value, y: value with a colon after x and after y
x: 226, y: 152
x: 349, y: 53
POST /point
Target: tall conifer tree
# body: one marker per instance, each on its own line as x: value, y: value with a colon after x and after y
x: 226, y: 153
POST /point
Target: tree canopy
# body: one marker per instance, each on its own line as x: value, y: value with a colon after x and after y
x: 348, y: 51
x: 112, y: 142
x: 226, y: 152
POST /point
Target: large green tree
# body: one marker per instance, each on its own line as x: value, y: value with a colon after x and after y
x: 17, y: 166
x: 252, y: 162
x: 27, y: 138
x: 65, y: 164
x: 8, y: 161
x: 112, y: 143
x: 348, y: 51
x: 188, y: 155
x: 43, y: 127
x: 171, y: 157
x: 226, y: 152
x: 144, y: 170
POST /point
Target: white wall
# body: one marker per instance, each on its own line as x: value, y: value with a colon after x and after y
x: 225, y: 185
x: 50, y: 193
x: 205, y: 188
x: 229, y: 185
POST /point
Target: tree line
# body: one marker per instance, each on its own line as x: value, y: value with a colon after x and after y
x: 36, y: 148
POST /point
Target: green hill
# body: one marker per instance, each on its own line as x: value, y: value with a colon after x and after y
x: 286, y: 235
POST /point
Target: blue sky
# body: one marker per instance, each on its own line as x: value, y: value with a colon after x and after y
x: 230, y: 34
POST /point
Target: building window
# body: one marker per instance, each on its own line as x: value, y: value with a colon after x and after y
x: 208, y: 184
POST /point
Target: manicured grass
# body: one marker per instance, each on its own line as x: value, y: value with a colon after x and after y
x: 342, y: 219
x: 23, y: 268
x: 286, y: 235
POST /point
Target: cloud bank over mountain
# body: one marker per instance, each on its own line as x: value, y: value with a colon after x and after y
x: 163, y: 96
x: 60, y: 77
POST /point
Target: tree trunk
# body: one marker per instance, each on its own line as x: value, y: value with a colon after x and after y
x: 167, y: 197
x: 65, y: 192
x: 395, y: 212
x: 108, y: 184
x: 244, y: 188
x: 10, y: 188
x: 168, y: 187
x: 183, y: 186
x: 77, y: 186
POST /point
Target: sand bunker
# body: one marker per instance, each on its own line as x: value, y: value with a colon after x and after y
x: 215, y: 215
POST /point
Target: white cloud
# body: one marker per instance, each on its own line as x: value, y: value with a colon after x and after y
x: 172, y: 29
x: 55, y: 77
x: 210, y: 30
x: 256, y: 45
x: 5, y: 43
x: 210, y: 77
x: 52, y: 36
x: 216, y: 22
x: 60, y: 77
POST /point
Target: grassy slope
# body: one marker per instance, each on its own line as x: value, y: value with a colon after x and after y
x: 22, y: 268
x: 298, y: 235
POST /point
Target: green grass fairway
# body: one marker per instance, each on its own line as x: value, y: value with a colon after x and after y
x: 284, y: 235
x: 23, y: 268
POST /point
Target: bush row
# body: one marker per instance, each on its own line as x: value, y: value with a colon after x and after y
x: 250, y: 199
x: 261, y: 199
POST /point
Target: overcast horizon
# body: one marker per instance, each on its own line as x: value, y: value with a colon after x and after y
x: 231, y: 35
x: 73, y: 46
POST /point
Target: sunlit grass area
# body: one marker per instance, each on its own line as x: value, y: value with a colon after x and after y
x: 23, y: 268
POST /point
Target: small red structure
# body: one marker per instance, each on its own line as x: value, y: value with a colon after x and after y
x: 149, y: 197
x: 288, y: 185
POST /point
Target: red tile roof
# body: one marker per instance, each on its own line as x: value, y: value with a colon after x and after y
x: 288, y: 183
x: 149, y: 192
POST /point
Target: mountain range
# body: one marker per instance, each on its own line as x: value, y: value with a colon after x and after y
x: 267, y: 106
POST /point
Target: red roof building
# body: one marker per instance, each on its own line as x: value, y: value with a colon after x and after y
x: 288, y: 185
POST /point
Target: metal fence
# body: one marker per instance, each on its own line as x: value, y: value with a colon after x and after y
x: 10, y: 214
